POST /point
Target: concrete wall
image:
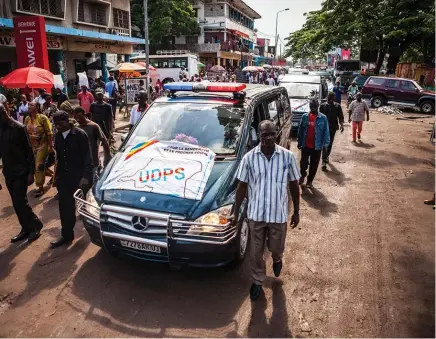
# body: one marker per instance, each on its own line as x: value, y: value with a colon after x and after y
x: 214, y: 10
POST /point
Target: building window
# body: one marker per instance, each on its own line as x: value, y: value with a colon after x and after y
x: 53, y: 8
x: 121, y: 18
x: 192, y: 39
x: 92, y: 13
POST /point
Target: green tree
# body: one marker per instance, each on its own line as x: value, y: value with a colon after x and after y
x: 388, y: 26
x: 166, y: 18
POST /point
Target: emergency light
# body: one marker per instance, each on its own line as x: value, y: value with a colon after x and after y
x: 207, y: 87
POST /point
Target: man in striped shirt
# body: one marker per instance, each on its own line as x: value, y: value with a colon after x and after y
x: 266, y: 172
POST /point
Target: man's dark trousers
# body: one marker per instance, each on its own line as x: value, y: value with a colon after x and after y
x: 17, y: 188
x: 309, y: 158
x: 67, y: 205
x: 326, y: 151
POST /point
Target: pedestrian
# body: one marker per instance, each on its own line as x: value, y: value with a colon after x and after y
x: 60, y: 97
x: 313, y: 136
x: 338, y: 92
x: 18, y: 168
x: 112, y: 90
x: 139, y: 109
x: 353, y: 89
x: 333, y: 111
x: 95, y: 137
x: 264, y: 174
x: 73, y: 171
x: 85, y: 98
x: 271, y: 81
x: 23, y: 109
x: 39, y: 129
x: 41, y: 98
x: 49, y: 108
x: 356, y: 115
x: 101, y: 114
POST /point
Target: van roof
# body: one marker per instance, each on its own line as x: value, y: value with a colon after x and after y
x: 301, y: 78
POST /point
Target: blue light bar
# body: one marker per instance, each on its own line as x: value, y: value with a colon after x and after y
x: 179, y: 86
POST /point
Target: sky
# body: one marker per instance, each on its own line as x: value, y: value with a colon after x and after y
x: 289, y: 21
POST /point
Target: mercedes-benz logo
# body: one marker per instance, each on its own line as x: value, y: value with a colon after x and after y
x: 140, y: 223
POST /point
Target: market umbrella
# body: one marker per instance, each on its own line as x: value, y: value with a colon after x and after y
x: 150, y: 67
x: 251, y: 69
x: 267, y: 66
x: 217, y: 69
x: 200, y: 65
x: 31, y: 77
x: 125, y: 67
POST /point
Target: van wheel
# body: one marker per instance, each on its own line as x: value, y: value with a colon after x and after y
x: 427, y: 107
x: 377, y: 102
x: 242, y: 241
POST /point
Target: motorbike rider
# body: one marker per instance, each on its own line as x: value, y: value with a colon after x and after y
x: 352, y: 91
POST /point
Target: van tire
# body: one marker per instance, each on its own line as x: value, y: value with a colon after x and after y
x: 377, y: 102
x: 242, y: 240
x: 427, y: 107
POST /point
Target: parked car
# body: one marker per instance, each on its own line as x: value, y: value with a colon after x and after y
x: 360, y: 80
x: 402, y: 92
x: 139, y: 223
x: 301, y: 88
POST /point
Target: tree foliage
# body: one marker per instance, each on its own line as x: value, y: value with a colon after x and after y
x: 388, y: 26
x: 166, y: 18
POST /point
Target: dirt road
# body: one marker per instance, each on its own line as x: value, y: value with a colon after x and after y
x: 362, y: 263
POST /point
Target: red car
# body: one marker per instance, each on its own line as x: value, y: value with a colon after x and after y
x: 402, y: 92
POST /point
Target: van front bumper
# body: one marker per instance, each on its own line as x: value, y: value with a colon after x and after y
x: 174, y: 243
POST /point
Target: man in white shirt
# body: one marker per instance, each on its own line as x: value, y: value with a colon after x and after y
x: 139, y: 109
x: 22, y: 108
x: 271, y: 81
x: 41, y: 98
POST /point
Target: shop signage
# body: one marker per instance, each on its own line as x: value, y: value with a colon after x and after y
x: 97, y: 47
x: 7, y: 39
x: 30, y: 41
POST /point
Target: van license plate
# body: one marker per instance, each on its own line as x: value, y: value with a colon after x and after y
x: 140, y: 246
x: 295, y: 124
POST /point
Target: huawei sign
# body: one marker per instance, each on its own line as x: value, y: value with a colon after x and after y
x: 31, y: 41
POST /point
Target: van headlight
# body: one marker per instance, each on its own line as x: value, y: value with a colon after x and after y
x: 217, y: 217
x: 92, y: 206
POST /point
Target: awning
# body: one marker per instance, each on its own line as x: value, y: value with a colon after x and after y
x: 239, y: 33
x: 96, y: 65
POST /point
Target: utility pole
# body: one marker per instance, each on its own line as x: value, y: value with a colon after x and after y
x: 147, y: 54
x: 277, y: 20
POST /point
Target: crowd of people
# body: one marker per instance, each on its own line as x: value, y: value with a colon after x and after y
x: 269, y: 77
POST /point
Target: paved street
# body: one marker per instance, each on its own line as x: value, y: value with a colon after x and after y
x: 361, y: 263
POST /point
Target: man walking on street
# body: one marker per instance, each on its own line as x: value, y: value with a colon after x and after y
x: 74, y: 170
x: 333, y: 111
x: 101, y: 114
x: 338, y: 92
x: 18, y: 168
x: 265, y: 173
x: 85, y: 98
x: 95, y: 136
x: 313, y: 136
x: 112, y: 89
x: 356, y: 115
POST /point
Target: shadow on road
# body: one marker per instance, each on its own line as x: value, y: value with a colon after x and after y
x: 336, y: 175
x: 316, y: 199
x: 130, y: 296
x: 361, y: 144
x: 53, y: 267
x: 277, y: 327
x: 7, y: 211
x: 8, y: 256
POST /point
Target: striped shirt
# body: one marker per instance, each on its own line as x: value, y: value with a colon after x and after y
x: 268, y: 183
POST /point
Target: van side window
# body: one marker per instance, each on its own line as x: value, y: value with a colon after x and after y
x: 276, y: 111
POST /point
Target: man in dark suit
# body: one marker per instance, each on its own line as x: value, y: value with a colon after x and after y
x: 18, y: 168
x: 73, y: 171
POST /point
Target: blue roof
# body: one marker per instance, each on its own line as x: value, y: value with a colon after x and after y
x: 8, y: 23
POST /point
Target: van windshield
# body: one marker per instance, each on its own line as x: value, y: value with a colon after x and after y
x: 297, y: 90
x: 215, y: 126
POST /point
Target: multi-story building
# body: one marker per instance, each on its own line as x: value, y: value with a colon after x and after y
x: 223, y: 23
x: 78, y: 32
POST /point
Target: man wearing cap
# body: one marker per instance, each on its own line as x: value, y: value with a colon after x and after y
x: 74, y: 170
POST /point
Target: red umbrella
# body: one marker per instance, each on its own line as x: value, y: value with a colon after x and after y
x: 150, y: 67
x: 31, y: 77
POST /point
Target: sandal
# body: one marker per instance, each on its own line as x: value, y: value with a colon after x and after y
x: 309, y: 185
